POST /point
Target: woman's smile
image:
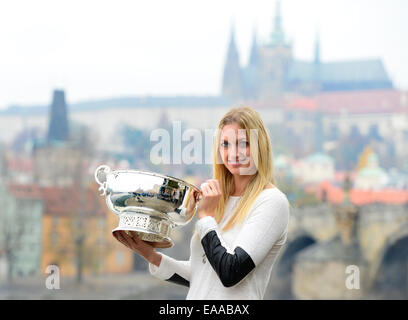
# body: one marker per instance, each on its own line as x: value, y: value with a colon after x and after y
x: 234, y: 164
x: 238, y: 163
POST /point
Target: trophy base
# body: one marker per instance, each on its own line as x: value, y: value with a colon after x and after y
x: 152, y: 229
x: 141, y: 235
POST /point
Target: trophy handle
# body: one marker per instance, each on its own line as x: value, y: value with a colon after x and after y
x: 103, y: 185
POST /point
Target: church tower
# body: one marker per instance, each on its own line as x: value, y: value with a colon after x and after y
x: 58, y: 127
x: 57, y: 161
x: 252, y: 71
x: 276, y: 57
x: 315, y: 86
x: 317, y: 49
x: 277, y: 37
x: 232, y: 86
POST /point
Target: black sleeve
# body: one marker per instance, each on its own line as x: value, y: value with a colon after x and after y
x: 231, y: 268
x: 177, y: 279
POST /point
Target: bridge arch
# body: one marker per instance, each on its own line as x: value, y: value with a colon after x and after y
x: 281, y: 282
x: 391, y: 275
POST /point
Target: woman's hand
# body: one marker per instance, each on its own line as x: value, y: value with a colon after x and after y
x: 211, y: 195
x: 139, y: 246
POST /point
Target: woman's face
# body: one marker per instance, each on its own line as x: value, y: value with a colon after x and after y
x: 234, y: 148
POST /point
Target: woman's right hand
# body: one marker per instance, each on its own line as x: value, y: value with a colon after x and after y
x: 211, y: 195
x: 141, y: 247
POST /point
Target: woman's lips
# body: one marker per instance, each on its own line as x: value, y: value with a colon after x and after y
x: 236, y: 164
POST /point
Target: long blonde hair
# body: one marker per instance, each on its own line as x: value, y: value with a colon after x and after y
x: 247, y: 118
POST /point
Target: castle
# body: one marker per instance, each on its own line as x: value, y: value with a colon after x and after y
x: 273, y: 71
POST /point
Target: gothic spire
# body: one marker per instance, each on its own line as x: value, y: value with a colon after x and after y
x: 277, y: 35
x: 317, y: 48
x: 232, y: 83
x: 254, y: 54
x: 232, y: 48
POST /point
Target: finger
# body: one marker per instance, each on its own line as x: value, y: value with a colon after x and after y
x: 208, y: 182
x: 123, y: 240
x: 119, y: 239
x: 206, y: 190
x: 116, y: 234
x: 120, y: 233
x: 129, y: 239
x: 130, y: 234
x: 197, y: 195
x: 213, y: 186
x: 151, y: 244
x: 217, y: 186
x: 203, y: 188
x: 135, y: 241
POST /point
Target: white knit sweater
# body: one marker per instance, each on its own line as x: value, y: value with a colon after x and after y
x: 261, y: 235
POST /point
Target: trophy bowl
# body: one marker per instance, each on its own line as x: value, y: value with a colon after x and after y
x: 149, y: 205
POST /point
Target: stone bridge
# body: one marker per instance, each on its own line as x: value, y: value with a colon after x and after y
x: 324, y: 239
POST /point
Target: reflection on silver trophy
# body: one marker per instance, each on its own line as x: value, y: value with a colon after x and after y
x: 148, y: 204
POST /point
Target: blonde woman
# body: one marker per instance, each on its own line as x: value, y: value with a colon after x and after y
x: 242, y: 218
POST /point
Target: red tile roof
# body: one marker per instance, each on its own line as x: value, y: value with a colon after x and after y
x: 25, y: 191
x: 304, y: 104
x: 20, y: 164
x: 67, y: 201
x: 361, y: 197
x: 62, y: 201
x: 370, y: 101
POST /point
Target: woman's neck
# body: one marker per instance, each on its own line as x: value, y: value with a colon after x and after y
x: 240, y: 184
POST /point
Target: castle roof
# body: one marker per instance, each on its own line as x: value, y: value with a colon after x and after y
x: 342, y: 75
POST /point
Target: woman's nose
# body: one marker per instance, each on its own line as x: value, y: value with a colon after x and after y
x: 233, y: 153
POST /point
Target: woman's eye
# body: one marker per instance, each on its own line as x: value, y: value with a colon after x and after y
x: 243, y: 144
x: 224, y: 144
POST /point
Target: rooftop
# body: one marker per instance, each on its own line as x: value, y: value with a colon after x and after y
x: 335, y: 194
x: 61, y: 201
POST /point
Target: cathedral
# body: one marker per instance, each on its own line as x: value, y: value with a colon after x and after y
x: 273, y: 71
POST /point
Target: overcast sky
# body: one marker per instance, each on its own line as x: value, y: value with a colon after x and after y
x: 101, y: 49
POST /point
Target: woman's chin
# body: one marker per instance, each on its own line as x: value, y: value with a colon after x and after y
x: 233, y: 170
x: 236, y: 170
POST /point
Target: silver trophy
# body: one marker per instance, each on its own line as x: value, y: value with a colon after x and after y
x: 149, y: 205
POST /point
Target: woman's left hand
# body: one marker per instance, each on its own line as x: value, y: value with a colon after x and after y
x: 211, y: 195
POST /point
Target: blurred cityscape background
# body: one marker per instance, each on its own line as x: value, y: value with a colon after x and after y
x: 339, y: 132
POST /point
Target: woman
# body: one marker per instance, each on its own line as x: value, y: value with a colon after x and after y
x: 242, y: 218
